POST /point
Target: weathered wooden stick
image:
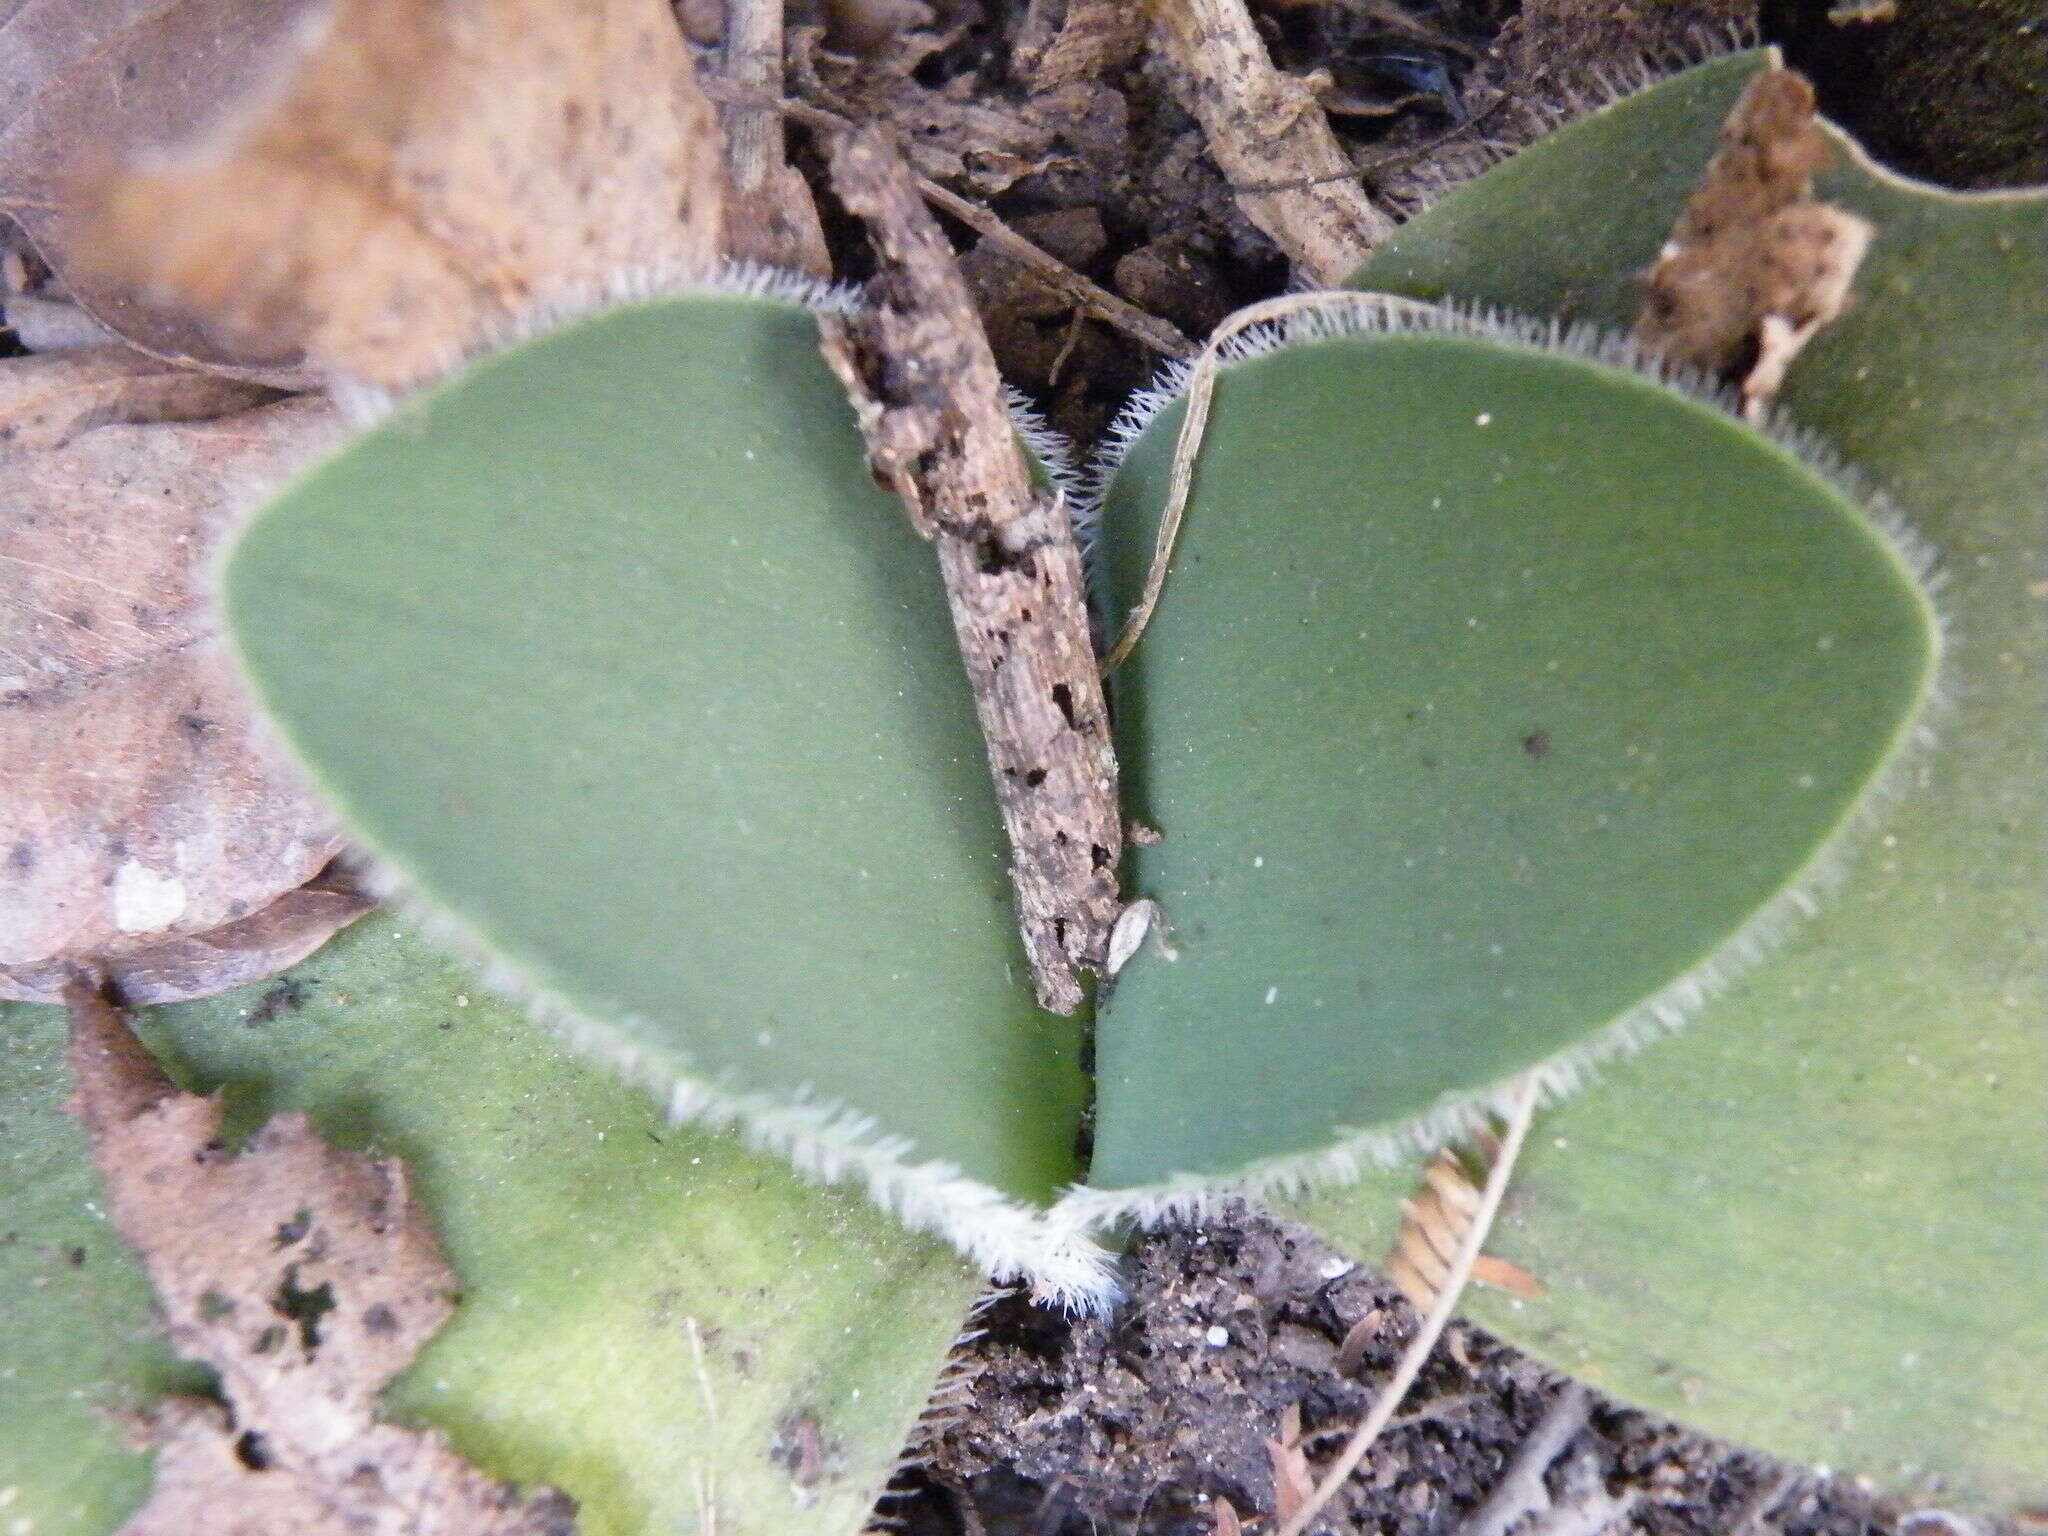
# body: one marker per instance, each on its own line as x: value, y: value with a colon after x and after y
x: 923, y: 381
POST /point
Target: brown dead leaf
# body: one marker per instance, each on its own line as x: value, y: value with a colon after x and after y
x: 1062, y: 41
x: 308, y: 1277
x: 418, y: 174
x: 139, y: 802
x: 1433, y: 1225
x: 1224, y: 1514
x: 959, y: 135
x: 117, y: 74
x: 1755, y: 267
x: 174, y: 967
x: 1293, y: 1483
x: 46, y: 404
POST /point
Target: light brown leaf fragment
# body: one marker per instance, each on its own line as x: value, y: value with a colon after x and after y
x: 172, y: 968
x: 307, y: 1277
x: 954, y: 135
x: 47, y: 402
x: 1062, y: 41
x: 1358, y: 1338
x: 1293, y: 1483
x: 1433, y: 1225
x: 1754, y: 266
x: 422, y: 174
x: 1270, y: 139
x: 1224, y: 1515
x: 924, y: 385
x: 103, y: 77
x: 770, y: 216
x: 140, y: 801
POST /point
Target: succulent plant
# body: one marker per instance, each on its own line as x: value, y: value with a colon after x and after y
x: 1813, y: 1222
x: 653, y: 1318
x: 1509, y: 699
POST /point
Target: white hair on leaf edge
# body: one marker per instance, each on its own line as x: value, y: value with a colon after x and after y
x: 826, y: 1141
x: 364, y: 404
x: 1664, y: 1012
x: 1449, y: 165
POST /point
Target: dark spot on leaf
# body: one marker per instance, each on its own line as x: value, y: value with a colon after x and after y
x: 1034, y: 777
x: 252, y: 1453
x: 1537, y: 744
x: 304, y: 1307
x: 287, y: 996
x: 21, y: 858
x: 194, y: 725
x: 213, y: 1306
x: 291, y: 1231
x: 76, y: 1258
x: 79, y: 618
x: 380, y: 1320
x: 268, y: 1340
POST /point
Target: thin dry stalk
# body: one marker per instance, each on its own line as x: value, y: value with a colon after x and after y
x: 1411, y: 1361
x: 1201, y: 392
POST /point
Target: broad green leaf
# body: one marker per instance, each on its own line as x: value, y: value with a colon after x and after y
x: 614, y: 653
x: 1815, y: 1222
x: 1499, y: 701
x: 597, y: 1249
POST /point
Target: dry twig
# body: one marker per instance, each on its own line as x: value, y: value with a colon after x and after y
x: 1271, y: 139
x: 1147, y: 330
x: 924, y: 383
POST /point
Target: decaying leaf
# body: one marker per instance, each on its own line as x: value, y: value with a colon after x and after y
x: 308, y: 1277
x: 139, y: 804
x: 1433, y: 1225
x: 114, y: 74
x: 46, y: 402
x: 1293, y: 1483
x: 1755, y: 267
x: 419, y: 174
x: 1062, y: 41
x: 175, y: 967
x: 954, y: 136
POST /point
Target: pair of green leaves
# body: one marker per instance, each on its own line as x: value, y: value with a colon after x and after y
x: 614, y: 655
x: 1495, y: 695
x: 1500, y: 696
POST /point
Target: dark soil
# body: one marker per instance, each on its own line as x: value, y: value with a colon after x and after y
x: 1142, y: 1422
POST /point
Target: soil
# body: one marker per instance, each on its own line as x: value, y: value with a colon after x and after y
x: 1141, y: 1423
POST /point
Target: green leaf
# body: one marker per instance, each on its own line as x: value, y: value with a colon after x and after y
x: 1500, y: 701
x: 597, y: 1247
x: 612, y: 651
x: 1814, y: 1222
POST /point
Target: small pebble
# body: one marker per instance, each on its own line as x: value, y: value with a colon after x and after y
x: 1217, y: 1336
x: 1334, y: 1267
